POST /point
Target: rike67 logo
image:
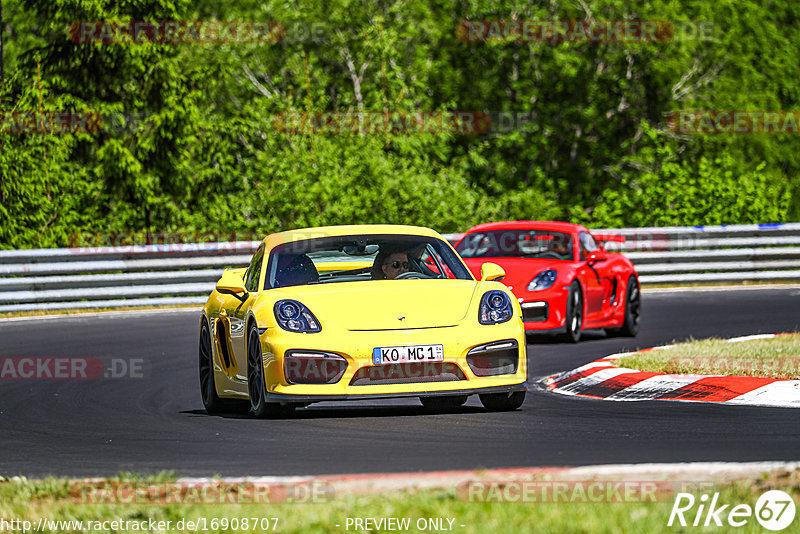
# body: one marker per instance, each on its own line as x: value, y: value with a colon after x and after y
x: 774, y: 510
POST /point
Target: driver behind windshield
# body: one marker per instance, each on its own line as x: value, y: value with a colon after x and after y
x: 389, y: 264
x: 562, y: 249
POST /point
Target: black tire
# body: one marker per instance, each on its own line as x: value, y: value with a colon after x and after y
x: 633, y: 308
x: 443, y: 403
x: 502, y: 402
x: 208, y: 390
x: 256, y: 385
x: 573, y: 322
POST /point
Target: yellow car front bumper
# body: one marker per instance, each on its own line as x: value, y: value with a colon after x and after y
x: 356, y: 347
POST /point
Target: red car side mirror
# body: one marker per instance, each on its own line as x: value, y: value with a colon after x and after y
x: 596, y: 256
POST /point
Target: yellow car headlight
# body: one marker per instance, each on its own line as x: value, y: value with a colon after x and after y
x: 293, y: 316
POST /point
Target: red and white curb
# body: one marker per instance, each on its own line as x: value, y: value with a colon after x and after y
x: 601, y: 379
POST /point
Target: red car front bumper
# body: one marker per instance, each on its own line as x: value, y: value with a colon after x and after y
x: 544, y: 310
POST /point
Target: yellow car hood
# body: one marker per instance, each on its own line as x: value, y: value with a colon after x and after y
x: 380, y: 304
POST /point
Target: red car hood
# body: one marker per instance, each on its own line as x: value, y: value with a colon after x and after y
x: 519, y: 271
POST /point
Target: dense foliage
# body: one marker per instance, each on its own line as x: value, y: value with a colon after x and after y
x: 190, y: 139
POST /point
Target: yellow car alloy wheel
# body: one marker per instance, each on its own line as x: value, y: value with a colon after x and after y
x: 259, y: 406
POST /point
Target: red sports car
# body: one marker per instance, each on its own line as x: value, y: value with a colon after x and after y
x: 563, y: 278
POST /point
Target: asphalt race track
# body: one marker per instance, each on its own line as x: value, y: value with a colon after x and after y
x: 104, y: 426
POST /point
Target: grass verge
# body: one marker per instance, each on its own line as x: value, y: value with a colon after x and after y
x: 777, y: 357
x: 54, y: 499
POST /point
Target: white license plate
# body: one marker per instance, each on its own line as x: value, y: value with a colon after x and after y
x: 408, y: 354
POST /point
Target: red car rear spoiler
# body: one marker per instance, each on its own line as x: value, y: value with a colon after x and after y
x: 603, y: 238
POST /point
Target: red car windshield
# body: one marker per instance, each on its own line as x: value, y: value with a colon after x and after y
x: 516, y: 244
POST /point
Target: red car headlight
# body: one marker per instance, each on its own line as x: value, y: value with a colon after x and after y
x: 543, y: 280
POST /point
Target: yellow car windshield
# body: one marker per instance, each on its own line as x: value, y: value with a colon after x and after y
x: 362, y: 258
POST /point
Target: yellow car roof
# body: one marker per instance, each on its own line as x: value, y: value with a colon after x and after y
x: 354, y: 229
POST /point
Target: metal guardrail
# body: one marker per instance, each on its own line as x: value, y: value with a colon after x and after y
x: 709, y: 254
x: 110, y: 277
x: 49, y: 279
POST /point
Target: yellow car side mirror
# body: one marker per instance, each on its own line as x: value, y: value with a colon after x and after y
x: 491, y: 272
x: 231, y: 284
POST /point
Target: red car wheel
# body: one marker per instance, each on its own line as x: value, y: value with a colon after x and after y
x: 573, y: 322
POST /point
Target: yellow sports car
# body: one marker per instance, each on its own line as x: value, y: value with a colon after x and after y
x: 360, y: 312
